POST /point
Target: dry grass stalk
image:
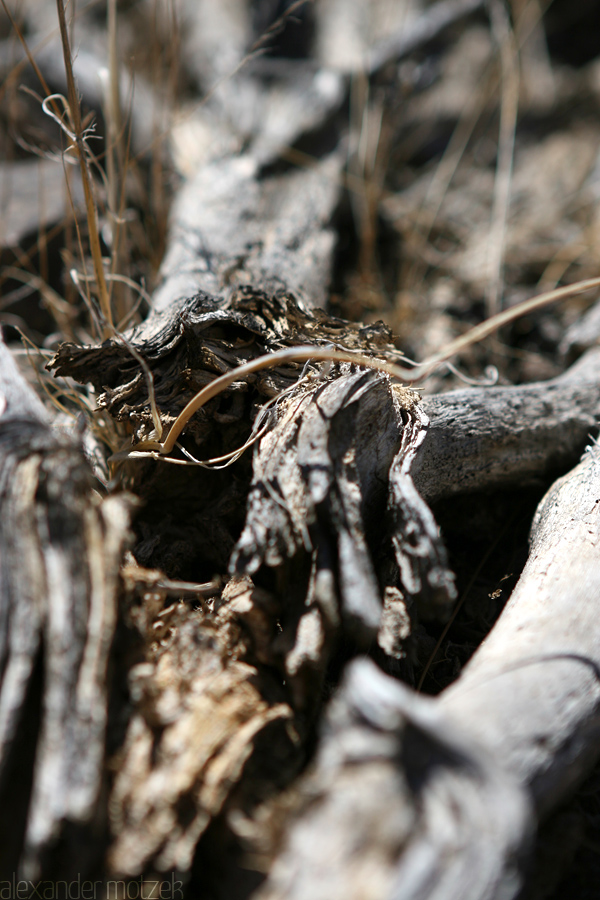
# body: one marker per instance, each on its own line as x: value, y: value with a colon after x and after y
x: 90, y: 202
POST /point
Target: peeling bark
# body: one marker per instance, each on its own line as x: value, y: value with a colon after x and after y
x: 202, y: 715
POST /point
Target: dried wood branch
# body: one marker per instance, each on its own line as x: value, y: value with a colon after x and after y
x: 340, y: 454
x: 59, y: 568
x: 234, y: 225
x: 437, y: 794
x: 538, y: 670
x: 484, y: 438
x: 398, y: 805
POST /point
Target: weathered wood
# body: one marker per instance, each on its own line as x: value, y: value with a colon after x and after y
x: 477, y: 439
x: 185, y: 347
x: 331, y: 493
x: 399, y: 805
x: 319, y: 492
x: 340, y: 450
x: 232, y: 226
x: 538, y: 670
x: 319, y: 488
x: 204, y: 713
x: 407, y: 797
x: 60, y: 552
x: 484, y: 438
x: 436, y: 793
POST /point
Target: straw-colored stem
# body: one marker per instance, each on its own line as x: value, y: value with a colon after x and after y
x: 324, y: 354
x: 90, y: 204
x: 509, y: 106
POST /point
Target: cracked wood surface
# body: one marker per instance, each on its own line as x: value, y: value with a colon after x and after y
x: 407, y: 797
x: 60, y: 555
x: 439, y: 795
x: 333, y: 513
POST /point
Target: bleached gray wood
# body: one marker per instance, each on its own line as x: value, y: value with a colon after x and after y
x: 531, y: 694
x: 411, y: 797
x: 483, y: 438
x: 399, y: 806
x: 60, y: 551
x: 340, y: 453
x: 231, y: 226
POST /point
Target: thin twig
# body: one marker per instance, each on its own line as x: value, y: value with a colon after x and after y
x: 509, y: 105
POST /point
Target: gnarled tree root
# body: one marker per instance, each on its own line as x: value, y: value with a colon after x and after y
x: 417, y: 798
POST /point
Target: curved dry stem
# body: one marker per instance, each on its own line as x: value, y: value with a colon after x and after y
x: 289, y: 354
x: 323, y: 354
x: 479, y: 332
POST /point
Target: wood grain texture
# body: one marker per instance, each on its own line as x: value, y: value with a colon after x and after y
x: 483, y: 438
x: 539, y: 669
x: 398, y: 805
x: 439, y: 794
x: 59, y: 563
